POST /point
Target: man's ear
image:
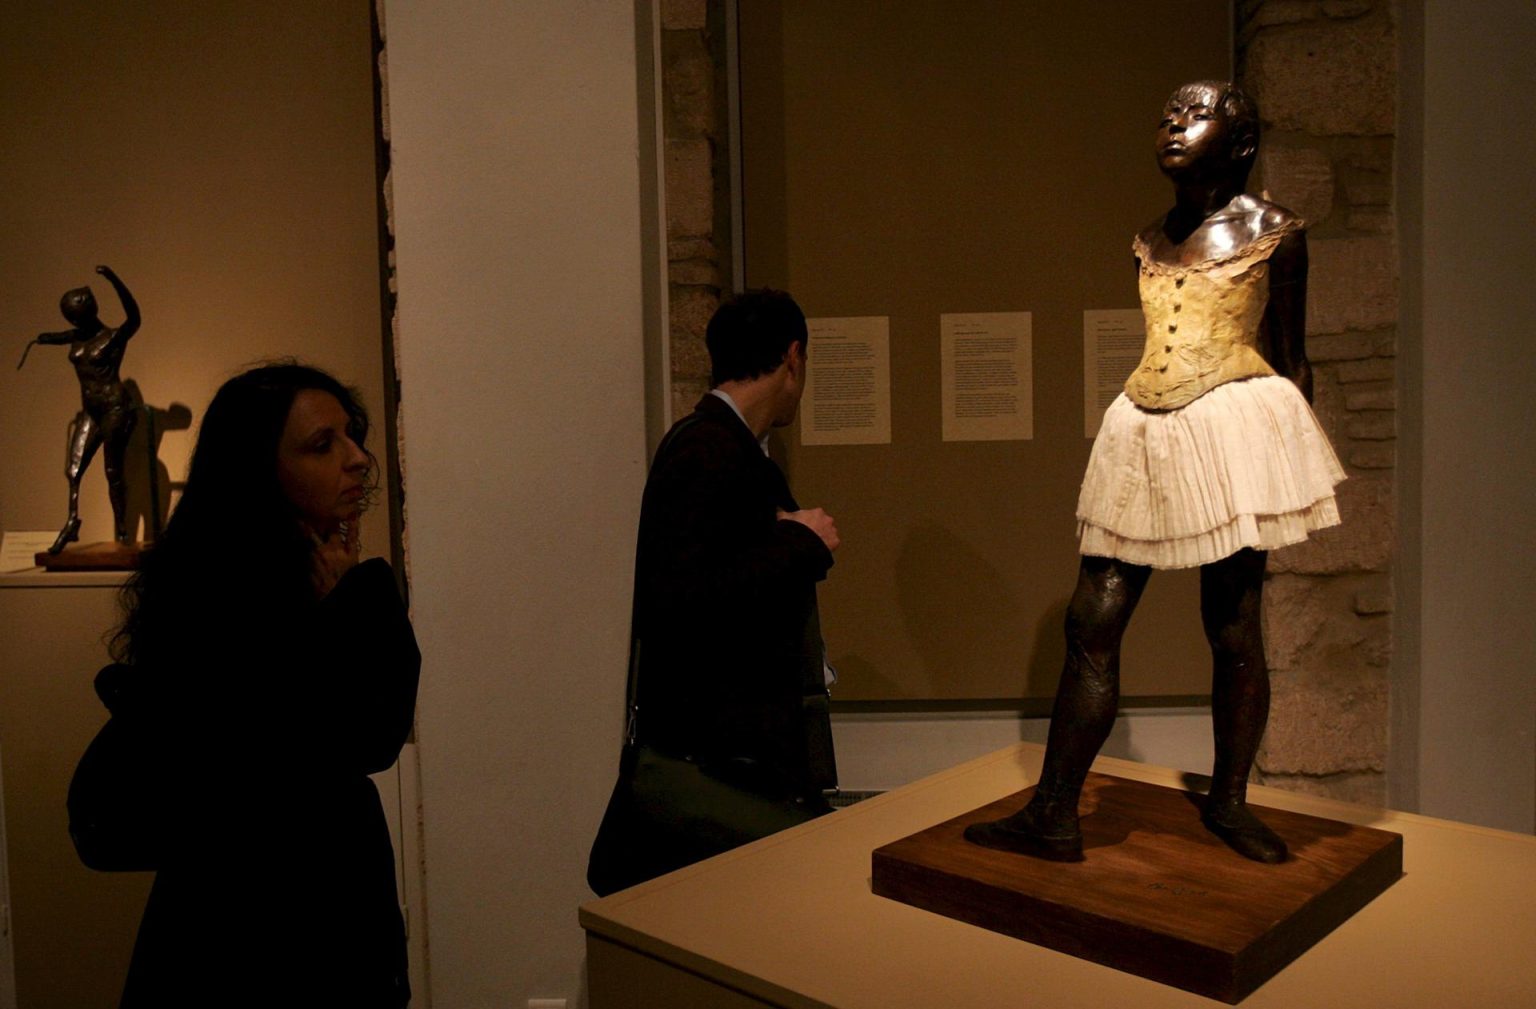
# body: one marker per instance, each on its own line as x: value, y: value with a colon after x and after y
x: 795, y: 357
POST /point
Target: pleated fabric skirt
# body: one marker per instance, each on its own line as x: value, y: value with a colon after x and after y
x: 1245, y: 465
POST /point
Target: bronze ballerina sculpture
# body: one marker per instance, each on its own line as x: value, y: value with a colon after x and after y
x: 107, y: 415
x: 1210, y: 457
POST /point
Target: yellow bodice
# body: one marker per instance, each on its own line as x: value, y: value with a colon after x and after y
x: 1202, y: 323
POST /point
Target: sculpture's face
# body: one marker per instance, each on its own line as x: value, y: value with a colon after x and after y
x: 78, y: 306
x: 322, y: 471
x: 1193, y: 133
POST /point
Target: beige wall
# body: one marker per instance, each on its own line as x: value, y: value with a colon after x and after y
x: 517, y: 221
x: 1469, y: 697
x: 221, y: 158
x: 867, y: 193
x: 72, y: 928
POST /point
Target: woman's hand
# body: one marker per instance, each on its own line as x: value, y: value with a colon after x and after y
x: 334, y: 556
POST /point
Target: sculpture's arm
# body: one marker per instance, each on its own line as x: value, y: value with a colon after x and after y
x: 49, y: 339
x: 1286, y: 316
x: 130, y: 307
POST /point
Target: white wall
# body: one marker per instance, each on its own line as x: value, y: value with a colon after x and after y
x: 517, y: 197
x: 1466, y: 648
x: 885, y: 751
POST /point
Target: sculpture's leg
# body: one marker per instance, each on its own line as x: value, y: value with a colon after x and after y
x: 1086, y: 699
x: 1231, y: 594
x: 120, y: 429
x: 83, y: 443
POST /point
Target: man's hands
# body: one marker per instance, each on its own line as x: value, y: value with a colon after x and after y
x: 817, y: 521
x: 334, y: 556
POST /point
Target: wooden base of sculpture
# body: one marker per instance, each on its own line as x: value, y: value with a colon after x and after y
x: 1156, y: 895
x: 92, y: 557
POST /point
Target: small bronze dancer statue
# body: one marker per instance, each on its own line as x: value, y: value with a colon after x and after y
x: 107, y: 414
x: 1210, y: 457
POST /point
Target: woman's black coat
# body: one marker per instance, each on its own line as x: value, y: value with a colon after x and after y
x: 278, y: 883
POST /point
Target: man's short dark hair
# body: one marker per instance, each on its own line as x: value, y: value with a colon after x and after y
x: 750, y: 334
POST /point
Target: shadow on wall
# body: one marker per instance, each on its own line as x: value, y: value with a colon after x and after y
x: 978, y: 606
x: 150, y: 487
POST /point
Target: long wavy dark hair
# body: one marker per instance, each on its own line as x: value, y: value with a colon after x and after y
x: 233, y: 561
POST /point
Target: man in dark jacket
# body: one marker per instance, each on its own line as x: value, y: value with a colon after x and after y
x: 732, y: 669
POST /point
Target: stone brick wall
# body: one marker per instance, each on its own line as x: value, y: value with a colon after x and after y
x: 1324, y: 75
x: 696, y: 152
x: 391, y: 417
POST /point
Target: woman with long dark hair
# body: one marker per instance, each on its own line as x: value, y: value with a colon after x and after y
x: 280, y: 672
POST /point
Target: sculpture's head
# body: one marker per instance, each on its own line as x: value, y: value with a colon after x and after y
x: 78, y: 306
x: 1209, y: 132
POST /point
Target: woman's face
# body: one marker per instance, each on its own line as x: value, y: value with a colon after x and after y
x: 322, y: 471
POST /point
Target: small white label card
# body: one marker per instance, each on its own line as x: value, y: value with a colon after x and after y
x: 18, y: 549
x: 847, y: 397
x: 987, y: 376
x: 1112, y: 343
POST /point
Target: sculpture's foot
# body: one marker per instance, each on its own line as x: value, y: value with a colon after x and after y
x: 1026, y: 834
x: 1245, y: 834
x: 67, y: 535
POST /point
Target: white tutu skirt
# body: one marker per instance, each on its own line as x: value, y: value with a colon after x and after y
x: 1245, y: 465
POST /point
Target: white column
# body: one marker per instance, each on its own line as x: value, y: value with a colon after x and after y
x: 517, y: 208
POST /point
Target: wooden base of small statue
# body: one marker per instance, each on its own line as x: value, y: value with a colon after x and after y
x: 109, y: 556
x: 1156, y: 895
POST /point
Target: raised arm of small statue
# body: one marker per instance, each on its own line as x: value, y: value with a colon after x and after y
x: 130, y: 306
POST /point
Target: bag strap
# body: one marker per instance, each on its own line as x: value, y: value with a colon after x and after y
x: 632, y: 680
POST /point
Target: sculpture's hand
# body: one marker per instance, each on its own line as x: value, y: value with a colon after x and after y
x: 130, y: 307
x: 334, y: 556
x: 817, y: 521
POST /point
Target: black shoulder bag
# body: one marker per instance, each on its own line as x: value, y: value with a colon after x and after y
x: 117, y: 796
x: 667, y: 812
